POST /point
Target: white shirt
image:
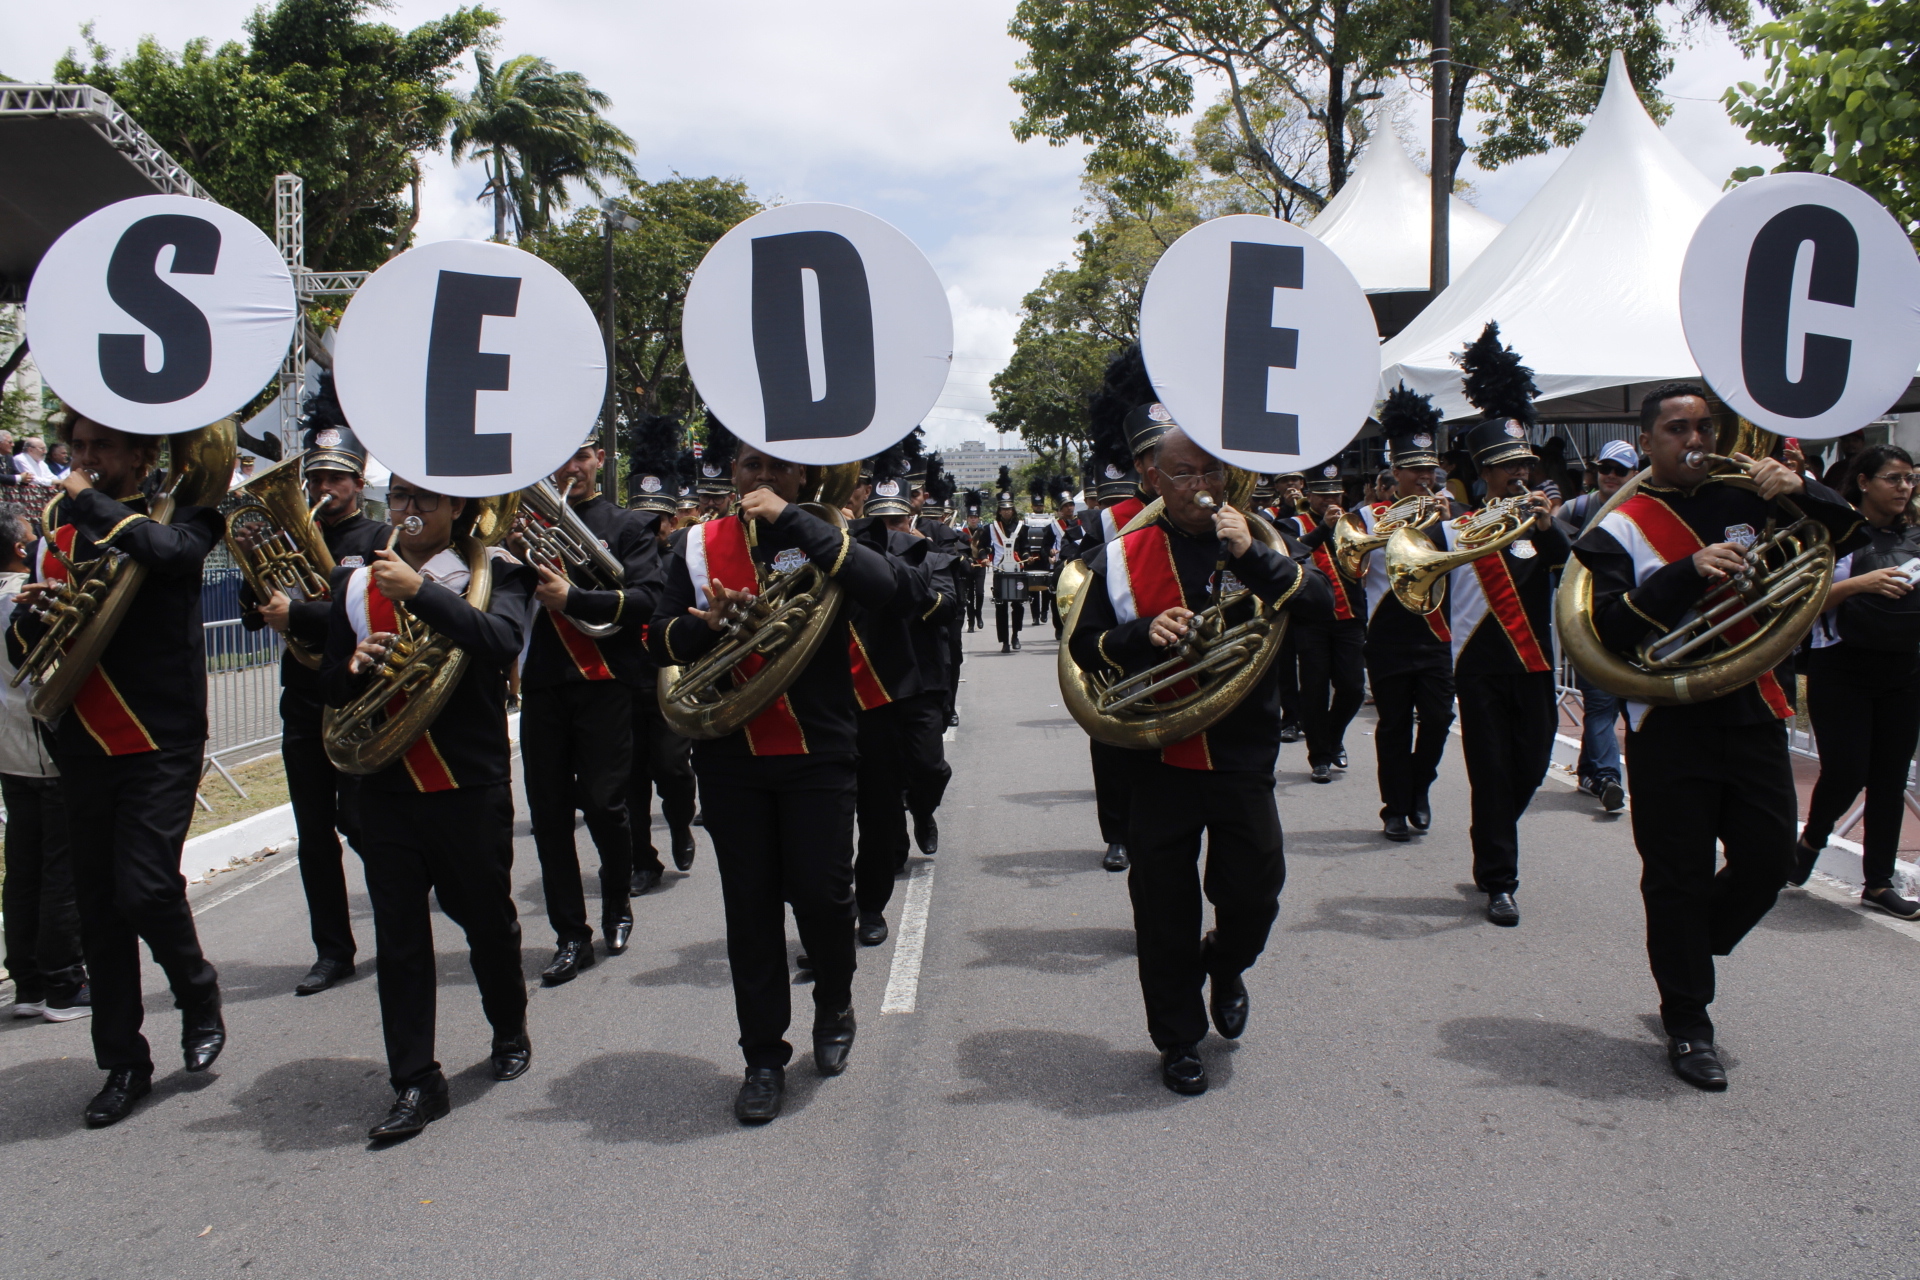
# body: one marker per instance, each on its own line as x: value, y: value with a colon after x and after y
x: 34, y: 469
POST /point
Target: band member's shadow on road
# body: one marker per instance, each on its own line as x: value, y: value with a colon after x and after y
x: 1335, y: 843
x: 1068, y: 951
x: 1078, y: 1076
x: 1391, y: 919
x: 1556, y: 799
x: 1048, y: 800
x: 1577, y: 1061
x: 315, y: 1104
x: 243, y: 980
x: 698, y: 964
x: 662, y: 1098
x: 43, y: 1098
x: 1043, y: 868
x: 1802, y: 912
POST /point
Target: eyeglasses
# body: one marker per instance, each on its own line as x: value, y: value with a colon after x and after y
x: 1899, y: 479
x: 1194, y: 479
x: 1611, y: 469
x: 406, y: 499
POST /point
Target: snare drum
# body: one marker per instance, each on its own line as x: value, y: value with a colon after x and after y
x: 1010, y: 585
x: 1039, y: 580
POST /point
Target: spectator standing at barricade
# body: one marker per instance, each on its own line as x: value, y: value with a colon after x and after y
x: 43, y: 918
x: 1863, y: 679
x: 1599, y: 765
x: 57, y: 459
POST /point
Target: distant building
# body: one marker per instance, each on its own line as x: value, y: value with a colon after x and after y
x: 974, y: 466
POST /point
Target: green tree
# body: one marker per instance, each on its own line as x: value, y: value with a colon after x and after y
x: 350, y: 106
x: 1840, y: 98
x: 536, y: 128
x: 680, y: 219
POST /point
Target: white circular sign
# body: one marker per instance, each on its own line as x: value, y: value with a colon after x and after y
x: 470, y: 368
x: 1261, y: 342
x: 1800, y: 296
x: 160, y: 314
x: 817, y: 333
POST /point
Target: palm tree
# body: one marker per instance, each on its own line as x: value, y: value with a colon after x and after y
x: 536, y: 128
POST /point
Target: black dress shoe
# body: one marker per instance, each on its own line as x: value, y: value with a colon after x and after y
x: 1016, y: 643
x: 569, y: 958
x: 803, y: 962
x: 953, y: 719
x: 114, y: 1103
x: 1396, y: 828
x: 1322, y: 772
x: 203, y: 1034
x: 1696, y: 1062
x: 414, y: 1108
x: 872, y: 929
x: 1804, y: 856
x: 1340, y: 758
x: 323, y: 975
x: 926, y: 834
x: 1116, y: 859
x: 759, y: 1098
x: 512, y: 1055
x: 1421, y: 817
x: 1289, y: 732
x: 683, y: 847
x: 1227, y: 998
x: 617, y: 934
x: 1182, y: 1071
x: 832, y: 1041
x: 1503, y: 910
x: 645, y: 880
x: 1005, y: 647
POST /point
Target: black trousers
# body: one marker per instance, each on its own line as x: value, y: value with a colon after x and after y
x: 1112, y: 773
x: 1694, y: 785
x: 43, y: 920
x: 1042, y: 604
x: 459, y: 844
x: 1289, y: 665
x: 1246, y: 867
x: 126, y: 823
x: 325, y: 804
x: 1506, y: 733
x: 782, y: 829
x: 663, y: 762
x: 956, y: 658
x: 1866, y: 719
x: 976, y: 587
x: 1001, y: 610
x: 923, y: 730
x: 576, y: 749
x: 1333, y: 681
x: 1409, y: 682
x: 882, y: 784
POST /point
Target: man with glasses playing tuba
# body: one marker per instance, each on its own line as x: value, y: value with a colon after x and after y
x: 439, y: 818
x: 1145, y: 590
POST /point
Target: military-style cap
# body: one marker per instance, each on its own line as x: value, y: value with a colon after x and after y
x: 327, y: 442
x: 653, y: 484
x: 1497, y: 440
x: 1326, y: 478
x: 1146, y: 424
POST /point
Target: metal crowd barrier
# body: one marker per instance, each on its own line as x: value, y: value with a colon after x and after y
x: 243, y: 694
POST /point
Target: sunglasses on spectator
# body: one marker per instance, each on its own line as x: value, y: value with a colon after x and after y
x: 1611, y: 469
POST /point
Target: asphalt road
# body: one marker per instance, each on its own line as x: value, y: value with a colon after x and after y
x: 1418, y: 1094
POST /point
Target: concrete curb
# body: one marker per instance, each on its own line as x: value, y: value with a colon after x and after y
x: 219, y: 849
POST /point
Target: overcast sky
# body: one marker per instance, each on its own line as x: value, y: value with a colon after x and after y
x: 899, y: 109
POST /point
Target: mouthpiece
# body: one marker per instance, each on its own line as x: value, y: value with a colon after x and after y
x: 412, y: 525
x: 1696, y: 458
x: 1204, y: 501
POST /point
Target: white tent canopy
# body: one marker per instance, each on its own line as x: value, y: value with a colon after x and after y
x: 1585, y: 281
x: 1380, y: 223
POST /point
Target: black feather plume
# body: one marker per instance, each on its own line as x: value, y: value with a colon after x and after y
x: 1005, y: 483
x: 914, y: 449
x: 1125, y: 388
x: 1495, y: 381
x: 890, y: 463
x: 972, y: 499
x: 656, y: 445
x: 1037, y: 493
x: 1407, y: 412
x: 720, y: 445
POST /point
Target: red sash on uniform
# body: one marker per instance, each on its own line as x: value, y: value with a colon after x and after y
x: 1503, y: 601
x: 1120, y: 513
x: 423, y: 760
x: 1155, y: 583
x: 1673, y: 539
x: 580, y: 647
x: 867, y: 689
x: 1323, y: 561
x: 102, y: 711
x: 775, y: 731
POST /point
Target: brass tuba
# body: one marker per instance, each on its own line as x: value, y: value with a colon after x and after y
x: 1780, y: 593
x: 1220, y: 662
x: 553, y: 533
x: 273, y: 538
x: 422, y: 667
x: 82, y: 613
x: 1352, y: 544
x: 1417, y: 571
x: 785, y: 624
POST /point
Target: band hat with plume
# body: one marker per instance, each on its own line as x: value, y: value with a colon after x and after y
x: 939, y: 487
x: 652, y: 484
x: 1003, y: 495
x: 327, y: 441
x: 1412, y: 426
x: 1124, y: 388
x: 716, y: 460
x: 914, y: 451
x: 1501, y: 388
x: 891, y: 489
x: 972, y: 499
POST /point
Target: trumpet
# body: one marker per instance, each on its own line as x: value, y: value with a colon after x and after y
x: 551, y: 532
x: 1352, y: 544
x: 1417, y: 572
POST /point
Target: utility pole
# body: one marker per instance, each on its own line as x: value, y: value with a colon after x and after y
x: 614, y: 220
x: 1441, y: 152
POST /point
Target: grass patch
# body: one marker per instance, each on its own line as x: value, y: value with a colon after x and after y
x: 266, y: 786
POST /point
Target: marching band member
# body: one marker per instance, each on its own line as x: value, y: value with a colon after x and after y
x: 324, y: 799
x: 932, y: 498
x: 1710, y: 773
x: 578, y: 748
x: 779, y: 794
x: 1333, y: 675
x: 1409, y: 656
x: 973, y: 568
x: 1040, y: 545
x: 1144, y: 590
x: 1009, y: 547
x: 441, y: 818
x: 1500, y: 611
x: 129, y: 753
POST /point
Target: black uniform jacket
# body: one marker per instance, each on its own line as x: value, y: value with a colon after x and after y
x: 822, y: 695
x: 1632, y: 599
x: 630, y: 537
x: 1319, y: 535
x: 351, y: 542
x: 470, y: 734
x: 1248, y: 737
x: 949, y: 563
x: 157, y: 659
x: 887, y: 643
x: 1488, y: 646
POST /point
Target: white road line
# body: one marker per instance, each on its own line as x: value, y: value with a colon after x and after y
x: 903, y: 981
x: 289, y: 860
